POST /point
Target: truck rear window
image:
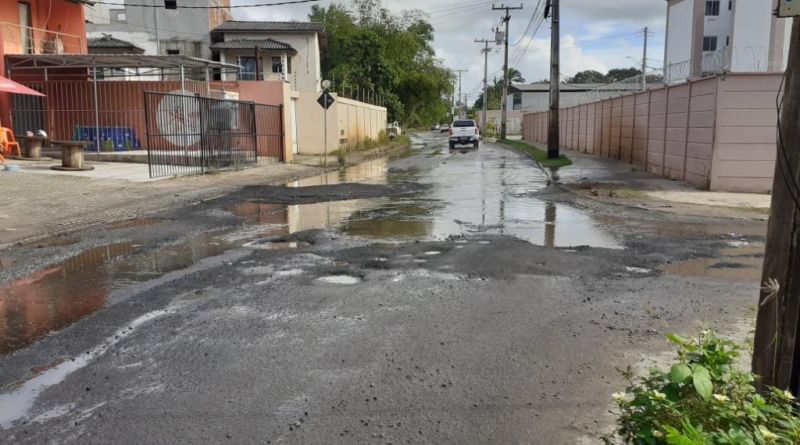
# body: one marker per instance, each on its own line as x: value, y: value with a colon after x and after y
x: 464, y: 123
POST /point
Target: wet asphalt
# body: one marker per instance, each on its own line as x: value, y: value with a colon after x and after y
x: 436, y: 297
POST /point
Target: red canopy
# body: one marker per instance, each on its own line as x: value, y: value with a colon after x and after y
x: 9, y: 86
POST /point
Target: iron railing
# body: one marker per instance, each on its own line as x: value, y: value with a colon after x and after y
x: 189, y: 134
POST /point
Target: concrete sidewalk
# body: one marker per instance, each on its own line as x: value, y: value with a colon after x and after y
x: 121, y: 171
x: 623, y: 183
x: 38, y: 204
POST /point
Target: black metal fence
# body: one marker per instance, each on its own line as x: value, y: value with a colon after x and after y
x: 192, y: 134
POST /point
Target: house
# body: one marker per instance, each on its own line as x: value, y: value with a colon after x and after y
x: 272, y: 50
x: 160, y: 31
x: 39, y: 27
x: 709, y: 36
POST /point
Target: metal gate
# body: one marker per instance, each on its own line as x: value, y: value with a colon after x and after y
x: 188, y: 134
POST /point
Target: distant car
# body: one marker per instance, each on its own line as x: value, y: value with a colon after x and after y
x: 444, y: 128
x: 436, y: 127
x: 393, y: 130
x: 464, y: 132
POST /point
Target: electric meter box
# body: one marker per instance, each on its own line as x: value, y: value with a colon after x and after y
x: 788, y: 8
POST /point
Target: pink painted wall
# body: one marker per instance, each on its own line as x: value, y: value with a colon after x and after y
x: 714, y: 133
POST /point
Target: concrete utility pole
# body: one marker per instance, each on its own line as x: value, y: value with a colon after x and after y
x: 644, y: 61
x: 776, y: 349
x: 503, y: 105
x: 485, y: 50
x: 553, y: 136
x: 461, y: 104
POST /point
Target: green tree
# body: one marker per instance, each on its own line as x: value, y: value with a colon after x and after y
x: 371, y: 49
x: 617, y: 74
x: 588, y: 76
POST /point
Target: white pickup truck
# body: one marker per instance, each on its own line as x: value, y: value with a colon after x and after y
x: 464, y: 132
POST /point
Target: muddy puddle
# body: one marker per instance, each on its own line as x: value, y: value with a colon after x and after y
x: 486, y: 192
x: 739, y: 263
x: 63, y: 293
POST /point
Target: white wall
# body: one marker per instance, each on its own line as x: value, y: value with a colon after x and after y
x: 719, y: 26
x: 679, y: 32
x: 751, y: 33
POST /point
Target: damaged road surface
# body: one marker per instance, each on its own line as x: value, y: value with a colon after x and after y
x: 437, y: 297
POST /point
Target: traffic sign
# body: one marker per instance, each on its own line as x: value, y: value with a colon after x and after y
x: 326, y: 100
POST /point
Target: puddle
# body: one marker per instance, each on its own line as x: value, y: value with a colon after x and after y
x: 735, y: 263
x: 467, y: 197
x: 339, y: 279
x: 62, y: 294
x: 136, y: 222
x: 17, y: 403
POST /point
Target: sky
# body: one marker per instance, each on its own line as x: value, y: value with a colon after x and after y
x: 595, y: 34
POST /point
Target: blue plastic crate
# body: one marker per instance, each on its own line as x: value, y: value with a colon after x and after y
x: 118, y: 136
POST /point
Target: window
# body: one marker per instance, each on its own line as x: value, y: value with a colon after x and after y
x: 173, y: 52
x: 712, y: 7
x: 710, y: 43
x: 248, y: 68
x: 517, y: 104
x: 121, y: 17
x: 727, y: 40
x: 277, y: 65
x: 26, y: 40
x: 461, y: 124
x: 288, y: 65
x: 730, y: 4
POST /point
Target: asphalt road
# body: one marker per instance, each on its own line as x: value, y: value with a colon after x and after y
x: 439, y: 297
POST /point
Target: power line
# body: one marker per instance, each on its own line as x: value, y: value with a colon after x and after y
x: 257, y: 5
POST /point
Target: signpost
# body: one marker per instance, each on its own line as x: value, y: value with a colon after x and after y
x: 325, y: 100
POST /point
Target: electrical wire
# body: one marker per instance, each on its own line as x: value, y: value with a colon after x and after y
x: 793, y: 187
x: 258, y: 5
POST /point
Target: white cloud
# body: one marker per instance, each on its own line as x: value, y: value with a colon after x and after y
x: 591, y: 33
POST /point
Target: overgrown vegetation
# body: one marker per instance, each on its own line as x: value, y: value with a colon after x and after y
x: 383, y: 141
x: 390, y: 56
x: 703, y: 399
x: 537, y: 154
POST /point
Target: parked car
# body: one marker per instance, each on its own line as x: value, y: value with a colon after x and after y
x: 464, y: 132
x: 436, y: 127
x: 444, y: 128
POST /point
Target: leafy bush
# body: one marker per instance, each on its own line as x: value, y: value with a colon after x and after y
x: 704, y: 399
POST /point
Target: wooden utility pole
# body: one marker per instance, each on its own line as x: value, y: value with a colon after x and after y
x: 776, y: 350
x: 503, y: 105
x: 485, y: 50
x: 553, y: 136
x: 644, y: 61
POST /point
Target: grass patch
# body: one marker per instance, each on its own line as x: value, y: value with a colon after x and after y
x: 537, y: 154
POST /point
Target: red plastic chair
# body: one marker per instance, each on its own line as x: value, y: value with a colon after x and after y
x: 8, y: 142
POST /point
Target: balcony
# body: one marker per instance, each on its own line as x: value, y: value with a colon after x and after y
x: 19, y: 39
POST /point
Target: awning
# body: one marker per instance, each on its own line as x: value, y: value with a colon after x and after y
x: 9, y: 86
x: 40, y: 61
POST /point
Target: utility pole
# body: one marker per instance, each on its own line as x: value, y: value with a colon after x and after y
x: 776, y: 348
x: 485, y: 50
x: 644, y: 61
x: 461, y: 104
x: 553, y: 136
x: 503, y: 105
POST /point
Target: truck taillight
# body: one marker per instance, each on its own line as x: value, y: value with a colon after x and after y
x: 450, y: 132
x: 476, y: 130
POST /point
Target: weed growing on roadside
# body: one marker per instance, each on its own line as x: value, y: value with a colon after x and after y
x: 703, y: 399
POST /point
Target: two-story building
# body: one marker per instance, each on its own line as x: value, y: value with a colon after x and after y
x: 39, y: 27
x: 272, y: 50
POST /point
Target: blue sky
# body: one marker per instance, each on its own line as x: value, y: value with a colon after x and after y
x: 595, y: 34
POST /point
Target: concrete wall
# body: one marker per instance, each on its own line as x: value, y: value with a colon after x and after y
x: 715, y: 133
x: 349, y: 122
x: 513, y: 121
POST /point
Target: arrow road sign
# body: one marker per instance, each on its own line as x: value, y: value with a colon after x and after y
x: 326, y: 100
